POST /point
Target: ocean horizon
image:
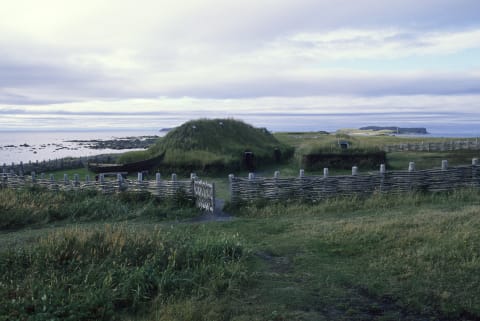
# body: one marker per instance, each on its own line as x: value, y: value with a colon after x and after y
x: 32, y: 144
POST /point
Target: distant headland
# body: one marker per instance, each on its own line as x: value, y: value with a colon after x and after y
x: 398, y: 130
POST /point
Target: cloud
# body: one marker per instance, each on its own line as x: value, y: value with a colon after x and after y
x: 275, y: 113
x: 58, y: 51
x: 370, y: 44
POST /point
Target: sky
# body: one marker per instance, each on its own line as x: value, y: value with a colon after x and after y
x: 303, y: 64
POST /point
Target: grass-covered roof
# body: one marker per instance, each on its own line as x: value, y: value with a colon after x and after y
x: 217, y: 144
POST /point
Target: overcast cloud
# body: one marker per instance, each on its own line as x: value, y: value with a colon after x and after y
x: 171, y: 56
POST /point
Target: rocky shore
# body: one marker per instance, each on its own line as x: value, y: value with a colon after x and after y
x: 120, y: 143
x: 117, y: 144
x: 27, y: 150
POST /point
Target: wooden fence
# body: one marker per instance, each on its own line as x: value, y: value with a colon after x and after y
x: 202, y: 192
x: 434, y: 146
x: 55, y: 164
x: 317, y: 188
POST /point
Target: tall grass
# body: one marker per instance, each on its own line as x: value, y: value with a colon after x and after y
x: 80, y: 274
x: 20, y: 208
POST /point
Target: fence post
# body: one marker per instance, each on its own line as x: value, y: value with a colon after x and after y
x: 174, y: 185
x: 193, y: 177
x: 65, y: 179
x: 76, y: 180
x: 158, y: 182
x: 213, y: 197
x: 301, y: 177
x: 52, y: 180
x: 444, y: 165
x: 230, y: 187
x: 276, y: 176
x: 411, y: 180
x: 354, y: 171
x: 325, y: 172
x: 411, y: 167
x: 42, y: 176
x: 119, y: 180
x: 383, y: 170
x: 252, y: 189
x: 101, y: 179
x: 140, y: 180
x: 4, y: 177
x: 33, y: 177
x: 475, y: 179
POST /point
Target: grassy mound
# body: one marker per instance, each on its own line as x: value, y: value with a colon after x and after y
x: 215, y: 145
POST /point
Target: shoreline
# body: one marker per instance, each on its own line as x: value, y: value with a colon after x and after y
x: 40, y: 146
x: 43, y: 146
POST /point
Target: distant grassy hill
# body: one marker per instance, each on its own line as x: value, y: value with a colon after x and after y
x: 213, y: 145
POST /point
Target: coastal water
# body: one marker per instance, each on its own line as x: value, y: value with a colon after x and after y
x: 33, y: 145
x: 25, y: 146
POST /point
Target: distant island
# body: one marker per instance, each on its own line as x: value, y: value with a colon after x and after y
x: 398, y: 130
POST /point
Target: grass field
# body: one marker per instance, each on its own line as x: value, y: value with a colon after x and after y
x: 84, y: 256
x: 412, y: 257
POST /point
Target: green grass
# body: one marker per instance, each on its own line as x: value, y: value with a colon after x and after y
x: 37, y: 207
x: 134, y: 156
x: 362, y: 142
x: 407, y: 257
x: 428, y: 160
x: 386, y: 257
x: 82, y: 172
x: 214, y: 146
x: 96, y: 274
x: 412, y: 257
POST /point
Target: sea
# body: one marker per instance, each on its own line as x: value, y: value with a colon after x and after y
x: 33, y: 145
x: 25, y: 146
